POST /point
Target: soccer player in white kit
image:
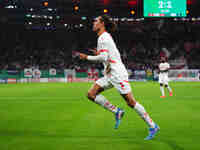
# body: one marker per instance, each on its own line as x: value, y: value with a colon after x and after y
x: 115, y: 75
x: 163, y: 77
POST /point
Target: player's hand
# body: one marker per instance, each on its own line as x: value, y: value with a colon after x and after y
x: 83, y: 56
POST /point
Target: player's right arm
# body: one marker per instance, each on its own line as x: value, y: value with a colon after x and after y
x: 102, y: 56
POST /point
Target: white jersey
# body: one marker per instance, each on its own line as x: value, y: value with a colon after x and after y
x: 109, y: 55
x: 163, y: 76
x: 164, y: 67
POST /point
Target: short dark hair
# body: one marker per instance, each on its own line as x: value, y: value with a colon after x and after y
x: 110, y: 25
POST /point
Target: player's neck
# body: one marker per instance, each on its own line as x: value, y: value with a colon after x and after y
x: 101, y: 31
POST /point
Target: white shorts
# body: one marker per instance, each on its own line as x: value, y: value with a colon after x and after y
x: 121, y: 84
x: 163, y: 78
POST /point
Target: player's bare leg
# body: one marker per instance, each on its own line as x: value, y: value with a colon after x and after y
x: 140, y: 110
x: 94, y: 91
x: 169, y: 89
x: 95, y: 96
x: 162, y: 90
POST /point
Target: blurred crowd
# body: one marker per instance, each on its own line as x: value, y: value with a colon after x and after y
x: 141, y: 44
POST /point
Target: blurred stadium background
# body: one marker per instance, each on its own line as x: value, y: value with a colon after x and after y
x: 39, y: 41
x: 43, y: 37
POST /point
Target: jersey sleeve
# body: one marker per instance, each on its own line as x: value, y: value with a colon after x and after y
x: 100, y: 57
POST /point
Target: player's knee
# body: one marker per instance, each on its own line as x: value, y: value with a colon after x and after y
x: 166, y: 85
x: 91, y: 95
x: 131, y: 104
x: 129, y: 100
x: 161, y: 84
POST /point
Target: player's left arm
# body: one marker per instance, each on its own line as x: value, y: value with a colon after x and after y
x: 94, y: 51
x: 84, y: 56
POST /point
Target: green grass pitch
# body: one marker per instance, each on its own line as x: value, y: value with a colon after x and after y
x: 58, y: 116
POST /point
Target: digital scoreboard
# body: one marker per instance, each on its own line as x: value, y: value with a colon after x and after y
x: 165, y: 8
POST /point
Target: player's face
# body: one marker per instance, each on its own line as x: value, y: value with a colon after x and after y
x: 162, y: 59
x: 97, y: 24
